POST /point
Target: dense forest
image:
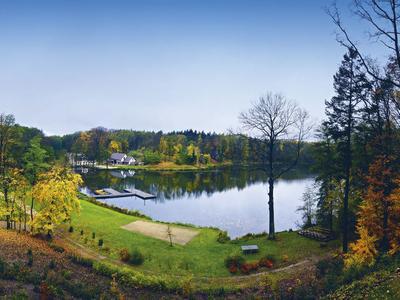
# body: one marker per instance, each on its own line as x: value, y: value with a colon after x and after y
x: 186, y: 147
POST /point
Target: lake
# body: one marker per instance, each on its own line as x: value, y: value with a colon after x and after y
x: 232, y: 199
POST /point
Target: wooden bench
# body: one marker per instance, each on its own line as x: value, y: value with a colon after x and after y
x: 248, y: 249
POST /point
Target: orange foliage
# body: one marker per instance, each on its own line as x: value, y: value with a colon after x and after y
x: 382, y: 199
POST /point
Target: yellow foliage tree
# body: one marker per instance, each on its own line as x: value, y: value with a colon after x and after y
x: 114, y: 147
x: 378, y: 223
x: 57, y: 194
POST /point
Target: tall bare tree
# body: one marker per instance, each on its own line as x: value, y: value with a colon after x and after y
x: 273, y: 119
x: 382, y: 17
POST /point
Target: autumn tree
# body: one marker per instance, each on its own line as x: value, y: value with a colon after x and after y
x: 272, y: 119
x: 57, y: 193
x: 379, y: 215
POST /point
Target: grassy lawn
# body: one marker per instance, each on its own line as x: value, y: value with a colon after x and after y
x: 203, y: 256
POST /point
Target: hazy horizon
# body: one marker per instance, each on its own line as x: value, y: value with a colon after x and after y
x: 157, y: 65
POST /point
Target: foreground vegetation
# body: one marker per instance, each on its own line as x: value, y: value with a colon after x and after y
x: 204, y: 256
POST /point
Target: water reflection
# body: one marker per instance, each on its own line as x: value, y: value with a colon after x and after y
x: 233, y: 199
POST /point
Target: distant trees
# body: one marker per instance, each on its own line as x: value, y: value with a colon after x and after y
x: 272, y: 119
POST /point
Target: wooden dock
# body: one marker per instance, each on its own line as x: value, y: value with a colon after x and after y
x: 111, y: 193
x: 140, y: 194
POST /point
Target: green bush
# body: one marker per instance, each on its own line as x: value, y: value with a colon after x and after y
x: 136, y: 257
x: 71, y: 229
x: 101, y: 242
x: 223, y: 237
x: 79, y: 260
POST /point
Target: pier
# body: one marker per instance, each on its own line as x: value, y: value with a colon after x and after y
x: 111, y: 193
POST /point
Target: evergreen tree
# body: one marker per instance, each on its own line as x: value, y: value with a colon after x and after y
x: 351, y: 88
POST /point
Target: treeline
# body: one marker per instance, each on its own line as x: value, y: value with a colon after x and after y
x: 183, y: 147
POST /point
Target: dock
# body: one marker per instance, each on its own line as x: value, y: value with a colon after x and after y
x: 111, y: 193
x: 140, y: 193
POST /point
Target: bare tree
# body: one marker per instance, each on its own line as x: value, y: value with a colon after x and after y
x: 382, y: 17
x: 272, y: 119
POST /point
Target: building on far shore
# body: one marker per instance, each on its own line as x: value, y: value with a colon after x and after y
x: 121, y: 159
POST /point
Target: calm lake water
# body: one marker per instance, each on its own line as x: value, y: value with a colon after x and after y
x: 232, y: 199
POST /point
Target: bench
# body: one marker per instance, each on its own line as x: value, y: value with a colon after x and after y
x: 248, y: 249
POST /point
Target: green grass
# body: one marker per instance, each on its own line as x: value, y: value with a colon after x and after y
x: 203, y: 256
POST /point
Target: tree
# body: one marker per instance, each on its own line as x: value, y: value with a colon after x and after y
x: 114, y: 147
x: 379, y: 214
x: 7, y: 123
x: 34, y: 163
x: 382, y: 18
x: 57, y: 193
x: 308, y: 207
x: 271, y: 119
x: 351, y: 87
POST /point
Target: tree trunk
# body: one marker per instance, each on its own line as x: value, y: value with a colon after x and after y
x: 32, y: 202
x: 271, y: 235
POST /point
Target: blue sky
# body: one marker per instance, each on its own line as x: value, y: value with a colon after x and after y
x: 160, y: 65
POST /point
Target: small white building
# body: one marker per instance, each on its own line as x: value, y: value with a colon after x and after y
x: 121, y: 159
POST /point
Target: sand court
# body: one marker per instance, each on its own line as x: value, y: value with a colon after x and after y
x: 180, y: 236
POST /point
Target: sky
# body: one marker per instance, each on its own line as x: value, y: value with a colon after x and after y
x: 72, y: 65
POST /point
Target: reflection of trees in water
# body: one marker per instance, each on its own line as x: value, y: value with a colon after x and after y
x: 173, y: 185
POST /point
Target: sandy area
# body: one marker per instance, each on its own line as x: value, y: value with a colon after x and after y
x: 180, y: 236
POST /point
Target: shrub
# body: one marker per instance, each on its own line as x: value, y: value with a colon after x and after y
x: 101, y: 243
x: 30, y: 258
x: 57, y: 248
x: 2, y: 267
x: 235, y: 260
x: 137, y: 257
x: 124, y: 255
x: 52, y: 264
x: 71, y: 229
x: 285, y: 258
x: 265, y: 262
x: 82, y: 232
x: 93, y: 235
x: 223, y: 237
x: 86, y: 262
x: 270, y: 257
x: 233, y: 269
x: 245, y: 269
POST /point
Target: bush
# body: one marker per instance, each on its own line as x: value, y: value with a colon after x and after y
x: 93, y: 235
x: 86, y: 262
x: 57, y: 248
x: 137, y: 257
x: 235, y: 260
x: 101, y: 243
x: 30, y: 258
x: 52, y: 264
x: 265, y: 262
x: 223, y: 237
x: 82, y: 232
x: 71, y: 229
x: 271, y: 258
x: 124, y: 255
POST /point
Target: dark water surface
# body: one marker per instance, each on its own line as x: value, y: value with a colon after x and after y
x: 233, y: 199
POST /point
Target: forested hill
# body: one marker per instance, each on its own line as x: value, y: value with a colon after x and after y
x: 181, y: 147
